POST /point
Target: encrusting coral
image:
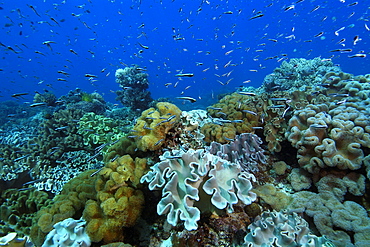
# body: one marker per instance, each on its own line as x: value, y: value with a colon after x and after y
x: 152, y: 126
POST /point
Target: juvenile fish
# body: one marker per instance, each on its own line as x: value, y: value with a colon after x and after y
x: 185, y: 75
x: 192, y: 100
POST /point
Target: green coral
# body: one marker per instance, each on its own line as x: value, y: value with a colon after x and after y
x: 18, y: 208
x: 97, y: 129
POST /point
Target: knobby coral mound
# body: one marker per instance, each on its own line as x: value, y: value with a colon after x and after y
x: 118, y: 202
x: 153, y: 125
x: 297, y: 74
x: 134, y: 84
x: 188, y: 179
x: 68, y: 204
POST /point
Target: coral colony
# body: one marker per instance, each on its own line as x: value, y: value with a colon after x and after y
x: 284, y: 164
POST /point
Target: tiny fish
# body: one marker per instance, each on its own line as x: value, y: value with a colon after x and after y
x: 71, y: 50
x: 185, y: 75
x: 192, y: 100
x: 19, y: 94
x: 256, y: 16
x: 61, y: 128
x: 90, y: 75
x: 316, y: 8
x: 319, y: 34
x: 215, y: 108
x: 357, y: 55
x: 143, y: 46
x: 250, y: 112
x: 38, y: 104
x: 319, y: 126
x: 277, y: 106
x: 247, y: 93
x: 159, y: 141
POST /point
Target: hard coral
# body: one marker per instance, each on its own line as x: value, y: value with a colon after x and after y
x: 152, y: 126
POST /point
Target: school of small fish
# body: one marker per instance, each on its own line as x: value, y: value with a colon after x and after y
x: 192, y: 49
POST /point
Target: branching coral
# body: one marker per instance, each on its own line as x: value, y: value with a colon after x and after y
x: 187, y: 179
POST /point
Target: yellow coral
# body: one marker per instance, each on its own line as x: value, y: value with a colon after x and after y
x: 118, y: 203
x: 153, y: 125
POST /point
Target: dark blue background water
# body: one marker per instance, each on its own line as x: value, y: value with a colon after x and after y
x: 105, y: 34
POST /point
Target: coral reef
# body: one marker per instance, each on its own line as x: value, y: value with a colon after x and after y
x: 333, y: 217
x: 69, y: 166
x: 49, y: 99
x: 118, y: 202
x: 18, y: 209
x: 245, y: 151
x: 68, y: 204
x: 334, y: 137
x: 282, y: 229
x: 97, y: 129
x: 297, y: 74
x: 187, y: 179
x: 134, y: 85
x: 69, y: 232
x: 80, y: 100
x: 246, y: 112
x: 153, y: 125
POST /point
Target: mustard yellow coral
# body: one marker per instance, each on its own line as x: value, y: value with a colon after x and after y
x: 152, y: 126
x: 118, y: 202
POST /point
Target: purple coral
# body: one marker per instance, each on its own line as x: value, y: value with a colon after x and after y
x: 245, y: 150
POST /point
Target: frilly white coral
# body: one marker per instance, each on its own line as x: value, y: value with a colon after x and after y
x: 69, y: 232
x: 183, y: 176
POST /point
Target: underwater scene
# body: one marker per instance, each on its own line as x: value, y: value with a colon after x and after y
x: 185, y: 123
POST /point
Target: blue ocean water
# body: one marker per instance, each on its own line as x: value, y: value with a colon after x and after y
x: 235, y: 43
